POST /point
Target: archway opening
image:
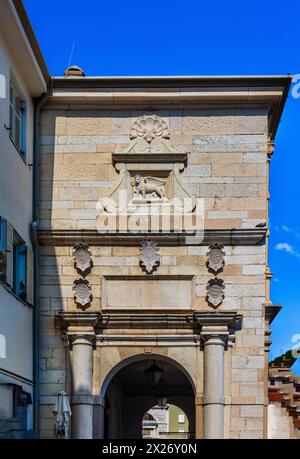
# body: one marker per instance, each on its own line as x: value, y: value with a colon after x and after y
x: 140, y: 383
x: 165, y: 422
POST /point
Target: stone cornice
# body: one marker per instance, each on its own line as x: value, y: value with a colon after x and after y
x: 271, y: 311
x: 196, y: 81
x: 251, y: 236
x: 270, y: 91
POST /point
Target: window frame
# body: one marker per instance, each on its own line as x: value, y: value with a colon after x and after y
x: 180, y: 417
x: 17, y: 120
x: 15, y: 259
x: 19, y: 269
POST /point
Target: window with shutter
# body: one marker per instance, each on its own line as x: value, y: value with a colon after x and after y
x: 9, y: 255
x: 3, y: 224
x: 23, y: 129
x: 17, y: 120
x: 20, y: 251
x: 16, y: 270
x: 30, y: 278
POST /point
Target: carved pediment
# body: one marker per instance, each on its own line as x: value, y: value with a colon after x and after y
x: 149, y: 141
x: 151, y: 179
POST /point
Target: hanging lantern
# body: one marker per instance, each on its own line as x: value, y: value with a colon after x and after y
x: 154, y: 374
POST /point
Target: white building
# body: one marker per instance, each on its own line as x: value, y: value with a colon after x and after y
x: 23, y: 80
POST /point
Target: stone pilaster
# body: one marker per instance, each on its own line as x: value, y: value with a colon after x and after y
x: 215, y: 332
x: 270, y: 151
x: 80, y: 333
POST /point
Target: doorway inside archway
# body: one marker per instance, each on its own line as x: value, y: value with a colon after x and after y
x: 165, y: 422
x: 139, y: 384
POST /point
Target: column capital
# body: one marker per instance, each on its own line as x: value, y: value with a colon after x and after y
x: 79, y: 327
x: 217, y: 328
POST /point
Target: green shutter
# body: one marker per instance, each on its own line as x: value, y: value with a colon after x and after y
x: 9, y: 255
x: 14, y: 117
x: 30, y: 277
x: 3, y: 224
x: 23, y: 129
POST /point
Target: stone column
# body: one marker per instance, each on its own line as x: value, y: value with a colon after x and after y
x: 82, y: 377
x: 213, y: 393
x: 81, y: 337
x: 215, y: 330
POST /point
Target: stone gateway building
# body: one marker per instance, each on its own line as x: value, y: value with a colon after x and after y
x: 149, y: 297
x: 134, y: 277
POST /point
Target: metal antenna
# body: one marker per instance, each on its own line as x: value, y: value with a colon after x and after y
x: 71, y: 55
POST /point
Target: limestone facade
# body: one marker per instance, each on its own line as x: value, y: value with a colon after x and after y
x: 226, y: 164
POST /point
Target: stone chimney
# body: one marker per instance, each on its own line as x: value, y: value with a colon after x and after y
x: 74, y: 71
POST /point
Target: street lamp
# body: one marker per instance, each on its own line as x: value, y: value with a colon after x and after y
x: 154, y: 374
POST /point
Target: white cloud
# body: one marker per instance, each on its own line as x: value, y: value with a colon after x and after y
x: 286, y: 247
x: 286, y: 229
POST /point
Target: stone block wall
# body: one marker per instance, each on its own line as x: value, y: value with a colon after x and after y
x: 226, y: 162
x: 227, y: 167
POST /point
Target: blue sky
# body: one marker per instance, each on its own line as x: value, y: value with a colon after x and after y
x: 193, y: 37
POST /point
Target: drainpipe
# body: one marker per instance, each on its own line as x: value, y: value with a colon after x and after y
x: 38, y: 105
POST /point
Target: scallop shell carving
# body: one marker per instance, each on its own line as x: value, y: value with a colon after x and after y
x: 148, y: 127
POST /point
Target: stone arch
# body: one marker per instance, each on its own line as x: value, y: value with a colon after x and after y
x: 117, y: 388
x: 139, y: 357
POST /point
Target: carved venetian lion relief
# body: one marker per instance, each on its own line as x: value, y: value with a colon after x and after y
x: 148, y: 188
x: 150, y: 168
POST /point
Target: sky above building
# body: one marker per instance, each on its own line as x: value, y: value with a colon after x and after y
x: 192, y: 37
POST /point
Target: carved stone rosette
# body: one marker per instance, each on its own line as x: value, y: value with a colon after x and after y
x: 83, y: 293
x: 149, y: 256
x: 215, y: 295
x: 216, y: 255
x: 82, y: 258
